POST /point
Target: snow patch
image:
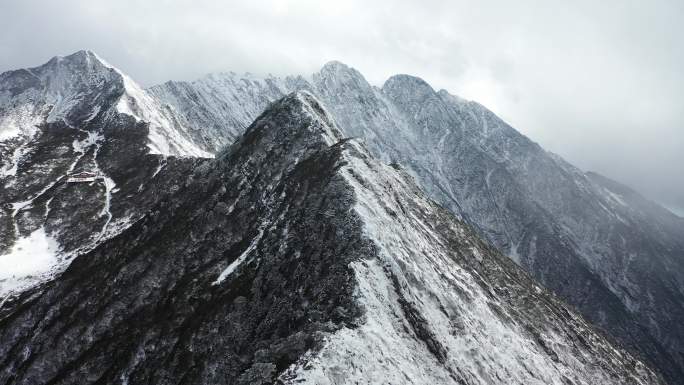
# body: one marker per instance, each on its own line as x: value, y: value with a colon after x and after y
x: 30, y: 259
x: 109, y: 186
x: 19, y: 120
x: 10, y: 168
x: 239, y: 260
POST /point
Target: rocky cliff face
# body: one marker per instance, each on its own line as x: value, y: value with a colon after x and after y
x: 297, y: 257
x: 615, y: 256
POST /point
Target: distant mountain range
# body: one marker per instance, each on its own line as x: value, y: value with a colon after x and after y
x: 298, y: 253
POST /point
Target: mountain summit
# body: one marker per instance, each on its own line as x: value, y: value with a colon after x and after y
x: 76, y: 115
x: 79, y: 87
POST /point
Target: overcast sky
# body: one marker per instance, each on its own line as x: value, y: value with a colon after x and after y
x: 599, y: 82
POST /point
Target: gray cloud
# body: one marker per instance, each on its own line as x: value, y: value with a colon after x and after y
x: 598, y: 82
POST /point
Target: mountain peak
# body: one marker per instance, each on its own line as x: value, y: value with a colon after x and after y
x: 295, y: 124
x: 303, y: 107
x: 83, y: 59
x: 408, y: 91
x: 80, y: 54
x: 73, y: 88
x: 409, y: 83
x: 313, y: 107
x: 335, y: 65
x: 77, y: 87
x: 337, y: 72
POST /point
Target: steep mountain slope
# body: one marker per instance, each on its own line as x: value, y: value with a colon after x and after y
x: 606, y: 257
x: 81, y: 86
x: 221, y: 105
x: 618, y: 258
x: 296, y: 257
x: 73, y: 114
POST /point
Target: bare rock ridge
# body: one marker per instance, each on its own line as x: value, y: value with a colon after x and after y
x: 293, y: 257
x: 608, y: 251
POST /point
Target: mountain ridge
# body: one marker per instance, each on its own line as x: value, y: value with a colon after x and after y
x: 66, y: 120
x: 595, y: 247
x: 266, y: 266
x: 560, y: 225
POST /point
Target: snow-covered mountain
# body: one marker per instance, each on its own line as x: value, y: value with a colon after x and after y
x: 600, y: 246
x: 615, y: 256
x: 76, y: 114
x: 297, y: 257
x: 80, y: 87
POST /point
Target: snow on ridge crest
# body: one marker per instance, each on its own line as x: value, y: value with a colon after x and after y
x: 317, y: 111
x: 414, y: 268
x: 164, y: 137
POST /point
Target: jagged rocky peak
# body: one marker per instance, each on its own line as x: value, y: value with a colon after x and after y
x: 76, y: 88
x: 410, y: 89
x: 337, y: 75
x: 61, y: 73
x: 419, y: 103
x: 83, y: 59
x: 319, y: 120
x: 74, y: 115
x: 308, y: 127
x: 73, y: 87
x: 61, y: 68
x: 336, y: 68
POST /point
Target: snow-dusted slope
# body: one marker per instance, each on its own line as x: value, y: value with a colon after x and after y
x: 220, y: 106
x: 609, y: 258
x: 167, y: 136
x: 619, y: 260
x: 296, y: 257
x: 75, y: 113
x: 65, y: 88
x: 79, y: 87
x: 442, y: 307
